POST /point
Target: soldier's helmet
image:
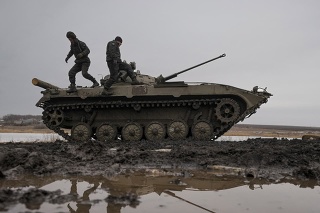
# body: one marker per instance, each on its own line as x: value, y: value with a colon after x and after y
x: 119, y: 39
x: 133, y: 65
x: 71, y: 35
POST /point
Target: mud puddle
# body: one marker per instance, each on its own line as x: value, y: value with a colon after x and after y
x: 255, y: 175
x: 154, y: 191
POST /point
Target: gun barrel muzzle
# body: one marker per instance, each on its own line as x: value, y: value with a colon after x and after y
x: 43, y: 84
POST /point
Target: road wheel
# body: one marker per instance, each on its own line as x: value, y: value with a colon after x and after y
x: 178, y: 130
x: 202, y: 130
x: 106, y: 132
x: 155, y: 131
x: 81, y: 132
x: 132, y: 132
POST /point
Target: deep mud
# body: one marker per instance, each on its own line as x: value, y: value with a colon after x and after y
x: 271, y: 159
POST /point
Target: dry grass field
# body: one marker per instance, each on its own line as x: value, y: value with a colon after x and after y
x: 24, y: 129
x: 272, y: 131
x: 237, y: 130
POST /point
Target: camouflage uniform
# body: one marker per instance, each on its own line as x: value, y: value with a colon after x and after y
x: 81, y: 63
x: 80, y: 50
x: 115, y: 64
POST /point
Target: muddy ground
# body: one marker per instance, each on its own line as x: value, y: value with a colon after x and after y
x: 271, y: 159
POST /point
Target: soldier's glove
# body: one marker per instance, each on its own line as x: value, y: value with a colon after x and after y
x: 80, y: 55
x: 66, y: 60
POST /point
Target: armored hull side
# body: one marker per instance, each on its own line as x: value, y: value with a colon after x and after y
x: 169, y: 110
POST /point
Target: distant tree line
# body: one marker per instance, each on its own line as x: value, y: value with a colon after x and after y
x: 15, y: 119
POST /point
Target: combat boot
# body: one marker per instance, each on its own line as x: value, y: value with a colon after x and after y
x: 72, y: 88
x: 106, y: 92
x: 95, y: 84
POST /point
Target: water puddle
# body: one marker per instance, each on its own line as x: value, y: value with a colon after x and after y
x: 155, y: 191
x: 51, y: 137
x: 29, y: 137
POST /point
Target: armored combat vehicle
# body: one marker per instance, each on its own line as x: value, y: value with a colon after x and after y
x: 155, y: 110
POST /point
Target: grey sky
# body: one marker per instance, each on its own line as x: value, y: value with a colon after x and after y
x: 272, y: 44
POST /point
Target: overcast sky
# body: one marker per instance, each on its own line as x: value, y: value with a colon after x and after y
x: 273, y: 44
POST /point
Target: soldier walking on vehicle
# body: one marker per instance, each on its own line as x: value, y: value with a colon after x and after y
x: 82, y: 63
x: 115, y: 64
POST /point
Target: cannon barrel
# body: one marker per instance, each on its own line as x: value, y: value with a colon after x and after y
x: 161, y: 79
x: 43, y: 84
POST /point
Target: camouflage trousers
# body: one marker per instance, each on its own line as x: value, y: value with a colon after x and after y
x: 114, y: 72
x: 84, y: 67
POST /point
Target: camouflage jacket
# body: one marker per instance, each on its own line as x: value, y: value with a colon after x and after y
x: 79, y: 47
x: 113, y: 51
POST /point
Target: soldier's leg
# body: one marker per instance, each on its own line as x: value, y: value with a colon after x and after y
x: 128, y: 69
x: 114, y: 72
x: 85, y: 74
x: 72, y: 77
x: 72, y: 73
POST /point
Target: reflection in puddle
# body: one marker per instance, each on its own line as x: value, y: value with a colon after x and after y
x: 50, y: 137
x: 156, y: 192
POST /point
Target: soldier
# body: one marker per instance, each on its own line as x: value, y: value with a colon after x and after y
x: 115, y: 64
x: 80, y: 50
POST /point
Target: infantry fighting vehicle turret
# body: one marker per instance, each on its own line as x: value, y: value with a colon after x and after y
x: 156, y: 110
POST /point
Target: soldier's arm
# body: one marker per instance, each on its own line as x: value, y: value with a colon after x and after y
x: 70, y: 54
x: 85, y: 49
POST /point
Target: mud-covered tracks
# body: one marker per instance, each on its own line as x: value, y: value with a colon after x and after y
x: 204, y: 119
